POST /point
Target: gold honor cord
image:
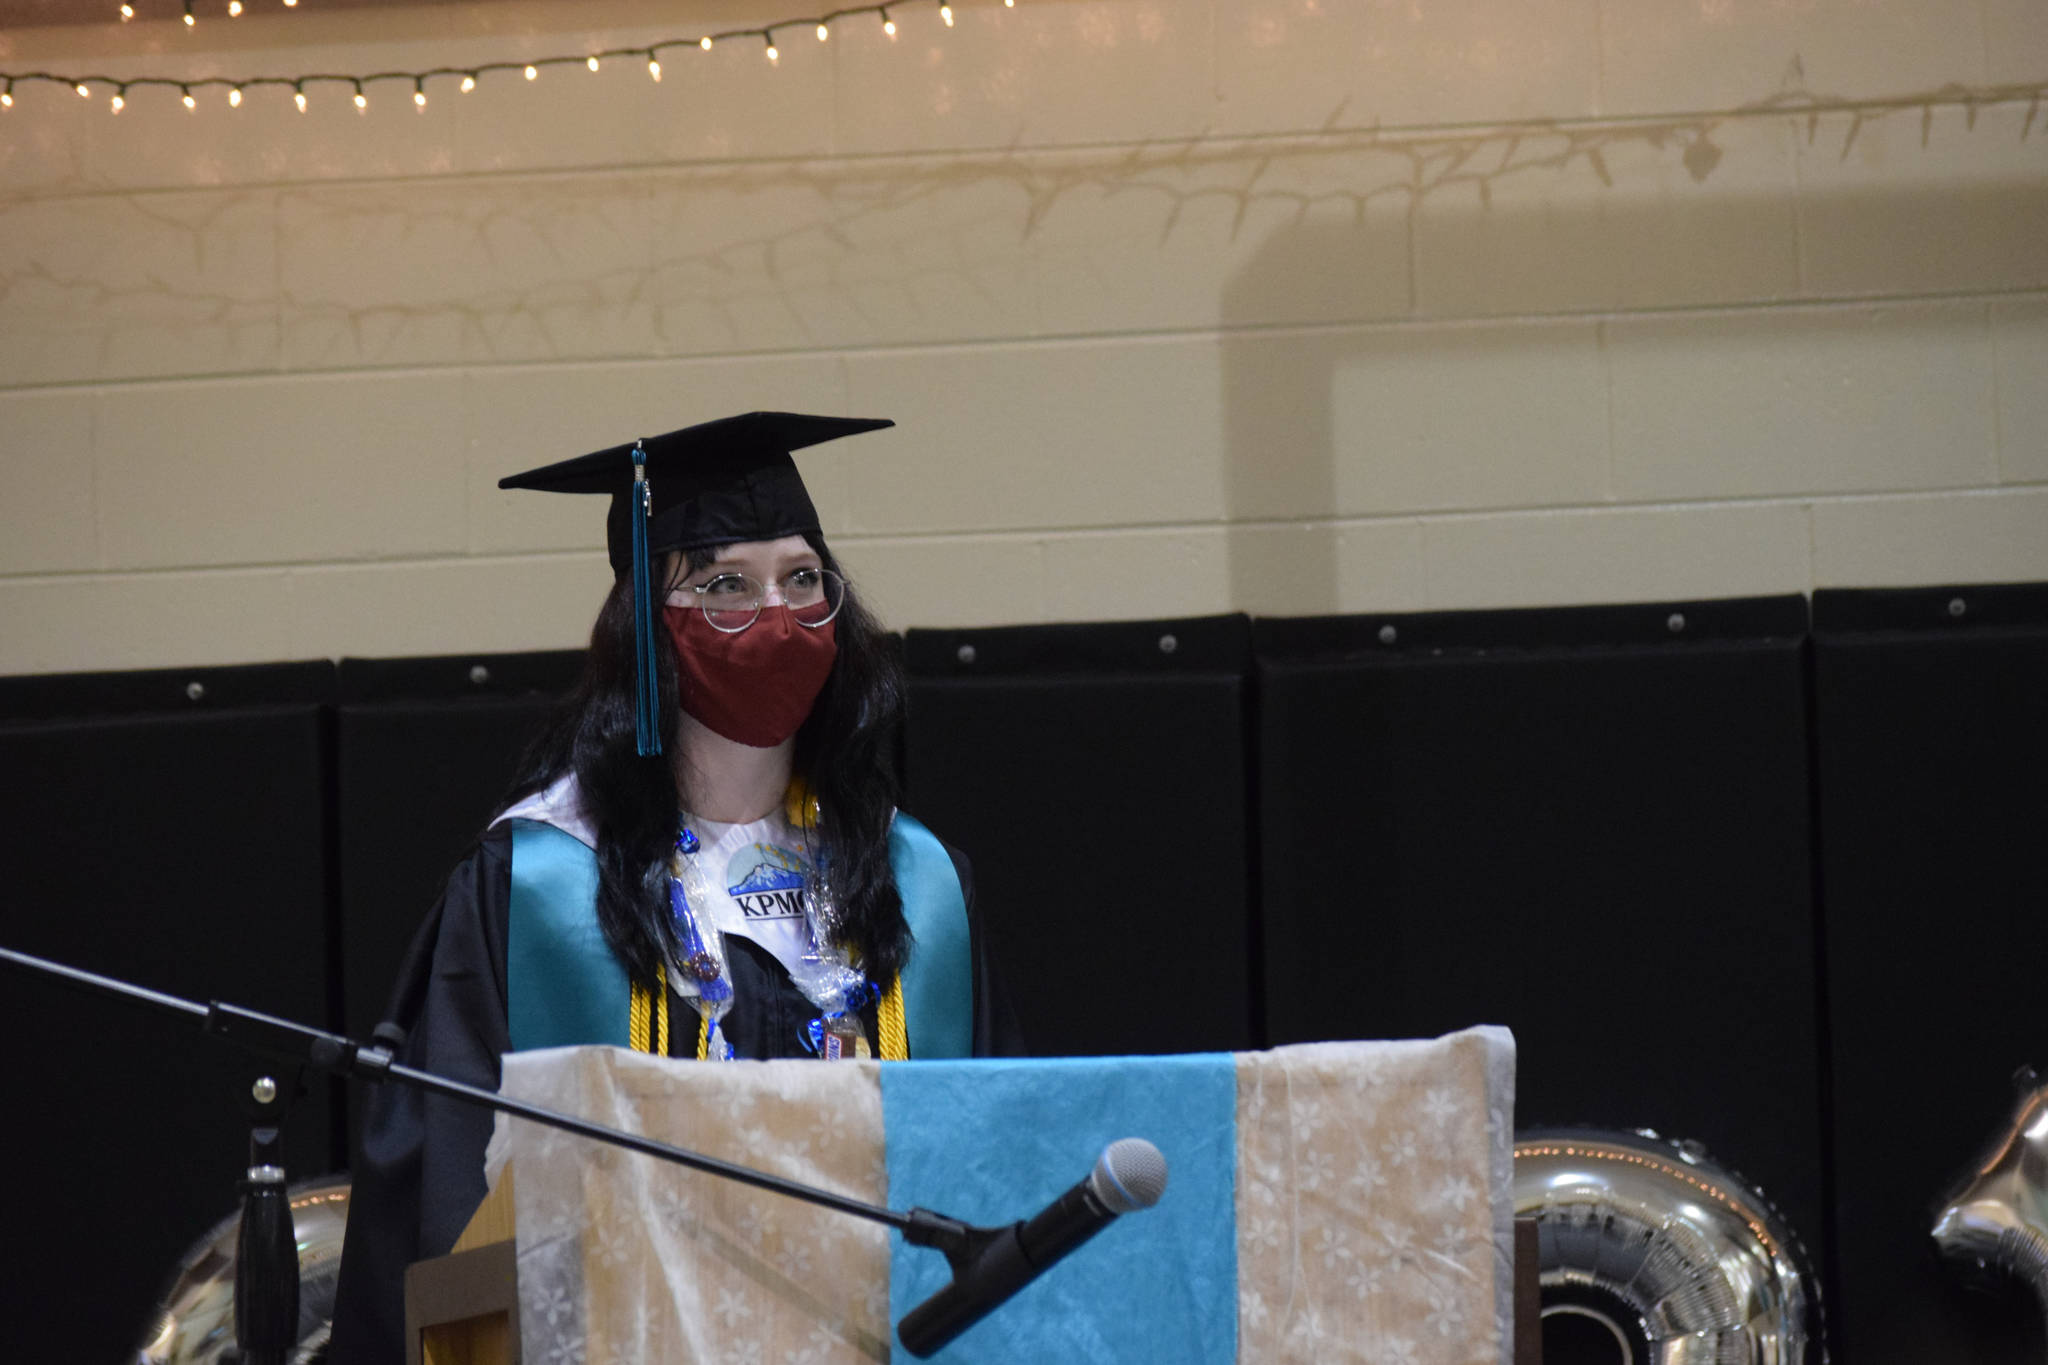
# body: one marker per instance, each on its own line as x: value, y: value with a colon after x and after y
x: 647, y: 1015
x: 889, y: 1023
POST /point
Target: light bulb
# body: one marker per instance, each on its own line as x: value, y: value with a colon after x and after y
x: 419, y: 98
x: 83, y: 93
x: 532, y: 73
x: 468, y: 84
x: 189, y: 102
x: 7, y: 100
x: 299, y: 98
x: 362, y: 101
x: 773, y: 55
x: 889, y: 26
x: 127, y: 13
x: 705, y: 42
x: 946, y: 13
x: 591, y: 62
x: 234, y: 9
x: 116, y: 103
x: 235, y: 98
x: 823, y: 33
x: 654, y: 68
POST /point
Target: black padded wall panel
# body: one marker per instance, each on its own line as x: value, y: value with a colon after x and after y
x: 1095, y: 777
x: 1590, y: 825
x: 1932, y: 744
x: 426, y: 749
x: 185, y: 851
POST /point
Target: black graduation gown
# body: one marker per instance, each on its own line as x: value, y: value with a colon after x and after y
x: 418, y: 1170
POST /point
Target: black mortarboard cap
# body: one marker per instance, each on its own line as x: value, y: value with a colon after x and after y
x: 711, y: 484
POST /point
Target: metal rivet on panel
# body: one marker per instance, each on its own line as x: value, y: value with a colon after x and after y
x: 1957, y: 606
x: 965, y: 654
x: 1388, y: 635
x: 1675, y: 622
x: 479, y: 675
x: 195, y: 691
x: 1168, y: 644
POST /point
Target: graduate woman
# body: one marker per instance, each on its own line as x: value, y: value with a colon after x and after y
x: 703, y: 856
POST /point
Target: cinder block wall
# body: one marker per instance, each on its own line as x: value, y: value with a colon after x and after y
x: 1183, y: 305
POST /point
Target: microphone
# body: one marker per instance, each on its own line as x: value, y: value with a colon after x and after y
x: 994, y: 1263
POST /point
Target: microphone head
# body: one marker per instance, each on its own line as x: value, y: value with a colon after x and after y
x: 1130, y: 1175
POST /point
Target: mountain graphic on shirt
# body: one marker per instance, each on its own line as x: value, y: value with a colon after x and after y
x: 771, y: 874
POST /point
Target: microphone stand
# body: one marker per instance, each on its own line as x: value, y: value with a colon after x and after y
x: 266, y: 1272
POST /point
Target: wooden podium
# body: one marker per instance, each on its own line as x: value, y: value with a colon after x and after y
x: 463, y: 1308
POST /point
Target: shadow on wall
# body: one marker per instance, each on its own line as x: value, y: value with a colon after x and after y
x: 1531, y: 238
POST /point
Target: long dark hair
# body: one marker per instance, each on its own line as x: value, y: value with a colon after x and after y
x: 845, y: 752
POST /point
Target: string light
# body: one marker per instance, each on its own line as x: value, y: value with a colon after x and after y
x: 234, y: 9
x: 117, y: 102
x: 820, y: 26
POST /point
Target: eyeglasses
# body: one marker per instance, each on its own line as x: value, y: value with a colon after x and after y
x: 732, y: 601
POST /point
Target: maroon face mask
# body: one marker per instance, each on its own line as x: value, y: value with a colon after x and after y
x: 753, y: 686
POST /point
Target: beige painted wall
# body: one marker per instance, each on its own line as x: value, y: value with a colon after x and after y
x: 1184, y: 306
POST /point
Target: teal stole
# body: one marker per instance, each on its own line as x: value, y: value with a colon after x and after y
x: 566, y: 988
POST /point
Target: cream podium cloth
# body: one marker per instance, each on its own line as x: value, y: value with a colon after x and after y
x: 1366, y: 1204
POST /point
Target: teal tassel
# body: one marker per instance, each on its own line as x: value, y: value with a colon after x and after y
x: 647, y: 682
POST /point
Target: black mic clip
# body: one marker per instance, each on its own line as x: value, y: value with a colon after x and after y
x: 962, y: 1243
x: 990, y: 1257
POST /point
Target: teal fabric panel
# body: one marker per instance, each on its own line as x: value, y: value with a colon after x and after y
x: 565, y: 987
x: 938, y: 981
x: 993, y: 1142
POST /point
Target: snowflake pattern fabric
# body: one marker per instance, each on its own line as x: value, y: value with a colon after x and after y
x: 1374, y: 1218
x: 626, y: 1258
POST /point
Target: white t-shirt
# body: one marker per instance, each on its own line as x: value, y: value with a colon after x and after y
x: 755, y: 876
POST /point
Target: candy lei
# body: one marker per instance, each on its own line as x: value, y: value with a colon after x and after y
x: 827, y: 977
x: 824, y: 973
x: 702, y: 972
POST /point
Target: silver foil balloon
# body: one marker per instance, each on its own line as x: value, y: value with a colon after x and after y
x: 1994, y: 1220
x: 1679, y: 1260
x: 196, y: 1320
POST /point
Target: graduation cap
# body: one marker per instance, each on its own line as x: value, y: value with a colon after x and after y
x: 715, y: 483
